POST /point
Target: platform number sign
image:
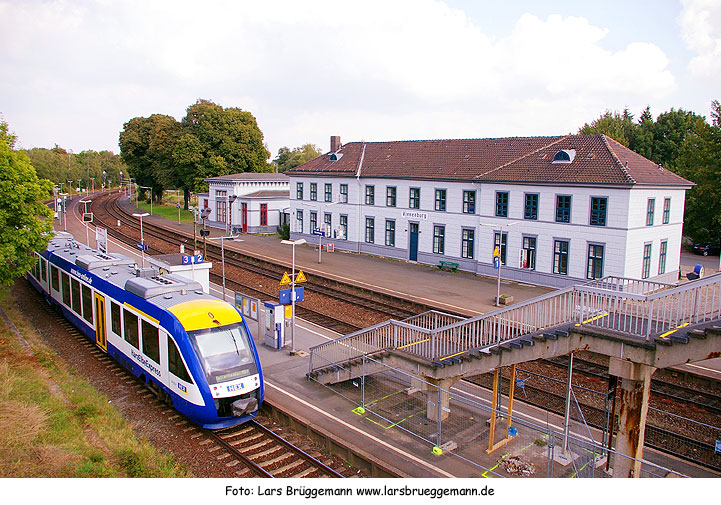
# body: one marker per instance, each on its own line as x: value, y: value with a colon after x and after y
x: 718, y: 445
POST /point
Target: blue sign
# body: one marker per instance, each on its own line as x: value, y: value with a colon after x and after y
x: 718, y: 445
x: 496, y: 263
x: 512, y: 431
x: 189, y: 259
x: 284, y: 295
x: 141, y: 247
x: 319, y: 231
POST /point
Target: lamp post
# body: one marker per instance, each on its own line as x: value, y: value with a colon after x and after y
x: 204, y: 232
x: 222, y: 254
x: 65, y: 214
x: 151, y: 197
x: 497, y: 255
x: 142, y: 242
x: 292, y: 293
x: 85, y: 212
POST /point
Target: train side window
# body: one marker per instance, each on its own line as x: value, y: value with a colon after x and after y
x: 66, y: 289
x: 44, y: 269
x: 151, y: 341
x: 75, y: 290
x: 175, y: 362
x: 130, y: 327
x: 115, y: 319
x: 55, y: 278
x: 88, y: 304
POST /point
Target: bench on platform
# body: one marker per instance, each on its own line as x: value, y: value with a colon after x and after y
x: 447, y: 265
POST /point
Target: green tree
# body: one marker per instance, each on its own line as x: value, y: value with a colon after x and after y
x: 288, y: 158
x: 669, y: 135
x: 25, y: 222
x: 217, y: 141
x: 699, y: 160
x: 619, y: 127
x: 146, y: 146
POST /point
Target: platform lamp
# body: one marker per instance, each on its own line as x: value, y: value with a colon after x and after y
x: 231, y: 200
x: 292, y: 293
x: 142, y: 242
x: 222, y: 254
x: 497, y: 255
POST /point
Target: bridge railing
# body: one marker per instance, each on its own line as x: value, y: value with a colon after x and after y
x: 617, y: 304
x: 432, y: 319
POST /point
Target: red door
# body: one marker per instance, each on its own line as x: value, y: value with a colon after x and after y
x: 245, y: 218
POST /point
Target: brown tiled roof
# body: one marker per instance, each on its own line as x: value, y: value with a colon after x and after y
x: 598, y: 159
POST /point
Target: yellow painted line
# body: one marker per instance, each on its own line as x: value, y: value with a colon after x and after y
x: 593, y: 319
x: 664, y: 335
x: 126, y: 304
x: 452, y: 355
x: 414, y: 343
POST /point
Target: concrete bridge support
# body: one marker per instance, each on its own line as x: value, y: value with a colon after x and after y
x: 633, y: 394
x: 436, y: 390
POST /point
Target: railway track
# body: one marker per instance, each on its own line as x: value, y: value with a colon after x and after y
x: 265, y: 454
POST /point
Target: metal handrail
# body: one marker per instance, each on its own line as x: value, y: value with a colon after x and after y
x: 617, y: 307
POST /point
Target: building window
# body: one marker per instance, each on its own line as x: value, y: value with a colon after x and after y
x: 344, y: 193
x: 531, y: 208
x: 221, y: 206
x: 502, y: 204
x: 560, y: 257
x: 563, y: 208
x: 370, y: 195
x: 313, y: 221
x: 370, y: 230
x: 343, y: 227
x: 328, y: 220
x: 299, y: 221
x: 390, y: 196
x: 499, y: 242
x: 646, y: 268
x: 264, y: 214
x: 390, y: 233
x: 328, y: 194
x: 598, y: 212
x: 439, y: 239
x: 414, y: 198
x: 314, y: 191
x: 440, y: 200
x: 662, y: 257
x: 528, y: 253
x: 650, y: 206
x: 299, y: 191
x: 469, y: 202
x: 595, y: 261
x: 666, y: 210
x: 467, y: 240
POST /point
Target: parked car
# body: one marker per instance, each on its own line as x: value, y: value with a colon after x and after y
x: 707, y: 248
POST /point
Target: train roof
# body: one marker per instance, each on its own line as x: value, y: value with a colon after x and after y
x: 164, y: 291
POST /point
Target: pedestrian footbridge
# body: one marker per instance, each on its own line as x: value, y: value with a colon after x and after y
x: 641, y: 325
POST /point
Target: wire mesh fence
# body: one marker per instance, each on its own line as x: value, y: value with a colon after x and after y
x: 461, y: 423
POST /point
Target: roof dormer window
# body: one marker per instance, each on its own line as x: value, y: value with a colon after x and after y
x: 335, y: 156
x: 564, y: 156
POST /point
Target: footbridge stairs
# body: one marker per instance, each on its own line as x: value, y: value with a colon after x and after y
x: 641, y: 325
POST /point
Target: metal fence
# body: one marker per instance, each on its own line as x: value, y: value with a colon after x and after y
x: 392, y: 399
x: 612, y: 303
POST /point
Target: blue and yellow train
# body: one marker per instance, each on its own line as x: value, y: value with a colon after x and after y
x: 189, y: 347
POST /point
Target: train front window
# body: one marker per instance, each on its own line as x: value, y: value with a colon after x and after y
x: 225, y: 352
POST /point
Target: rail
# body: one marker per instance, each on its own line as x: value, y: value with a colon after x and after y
x: 636, y: 308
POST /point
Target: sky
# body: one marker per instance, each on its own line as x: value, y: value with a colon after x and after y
x: 73, y: 72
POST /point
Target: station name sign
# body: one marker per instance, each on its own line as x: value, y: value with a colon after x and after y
x: 414, y: 214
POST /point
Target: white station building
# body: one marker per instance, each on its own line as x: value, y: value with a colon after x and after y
x: 560, y: 210
x: 261, y: 199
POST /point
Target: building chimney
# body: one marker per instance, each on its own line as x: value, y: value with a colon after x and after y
x: 334, y: 143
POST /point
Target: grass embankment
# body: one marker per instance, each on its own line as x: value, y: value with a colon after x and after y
x: 54, y: 424
x: 169, y: 209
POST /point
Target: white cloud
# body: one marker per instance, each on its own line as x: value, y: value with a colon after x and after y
x: 380, y: 69
x: 701, y: 31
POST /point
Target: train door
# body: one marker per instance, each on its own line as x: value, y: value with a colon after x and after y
x: 101, y: 333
